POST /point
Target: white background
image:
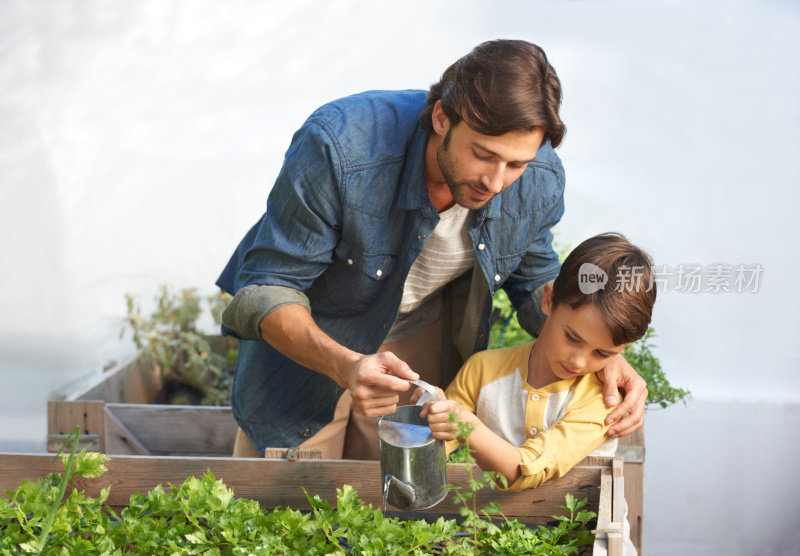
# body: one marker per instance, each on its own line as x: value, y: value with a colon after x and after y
x: 138, y: 142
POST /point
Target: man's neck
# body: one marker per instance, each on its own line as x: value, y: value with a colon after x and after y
x: 439, y: 193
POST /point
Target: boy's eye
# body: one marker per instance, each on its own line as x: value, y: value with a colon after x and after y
x: 481, y: 157
x: 571, y: 338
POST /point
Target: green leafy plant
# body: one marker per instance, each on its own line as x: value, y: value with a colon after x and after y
x: 510, y: 536
x: 191, y: 369
x: 203, y: 516
x: 641, y: 357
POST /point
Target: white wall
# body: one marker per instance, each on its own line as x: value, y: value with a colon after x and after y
x: 138, y: 142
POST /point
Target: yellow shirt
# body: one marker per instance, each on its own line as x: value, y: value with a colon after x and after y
x: 555, y: 427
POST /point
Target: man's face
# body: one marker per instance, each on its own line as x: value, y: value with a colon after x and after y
x: 477, y: 167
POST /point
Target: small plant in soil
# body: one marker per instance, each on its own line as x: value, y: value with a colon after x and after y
x: 192, y: 371
x: 203, y: 516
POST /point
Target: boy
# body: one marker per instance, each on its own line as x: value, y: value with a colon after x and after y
x: 537, y: 409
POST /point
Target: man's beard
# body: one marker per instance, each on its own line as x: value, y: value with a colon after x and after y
x: 459, y: 189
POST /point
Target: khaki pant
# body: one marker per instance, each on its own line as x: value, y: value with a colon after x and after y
x: 351, y: 435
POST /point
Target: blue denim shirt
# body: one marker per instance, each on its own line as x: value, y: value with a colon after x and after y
x: 348, y: 215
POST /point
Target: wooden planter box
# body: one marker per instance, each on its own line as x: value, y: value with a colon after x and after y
x: 116, y: 416
x: 277, y: 482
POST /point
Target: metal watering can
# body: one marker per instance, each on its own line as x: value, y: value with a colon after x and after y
x: 413, y: 463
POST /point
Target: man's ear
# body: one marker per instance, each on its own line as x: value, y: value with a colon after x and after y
x: 440, y: 121
x: 547, y: 298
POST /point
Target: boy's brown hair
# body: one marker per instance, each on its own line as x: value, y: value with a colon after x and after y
x: 625, y: 300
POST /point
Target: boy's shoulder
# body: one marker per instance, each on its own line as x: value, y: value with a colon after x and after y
x: 499, y: 361
x: 503, y: 353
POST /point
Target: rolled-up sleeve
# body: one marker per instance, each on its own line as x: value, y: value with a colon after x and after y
x: 252, y: 303
x: 554, y: 452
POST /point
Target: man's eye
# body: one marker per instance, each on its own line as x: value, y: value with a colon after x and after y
x: 480, y: 157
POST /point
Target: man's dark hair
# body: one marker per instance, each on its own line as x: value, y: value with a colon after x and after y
x: 501, y: 86
x: 626, y: 300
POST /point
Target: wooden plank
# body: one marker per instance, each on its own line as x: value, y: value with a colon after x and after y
x: 292, y: 453
x: 178, y: 429
x: 64, y: 416
x: 631, y: 448
x: 278, y: 482
x: 139, y: 383
x: 634, y: 487
x: 57, y: 442
x: 618, y: 508
x: 119, y: 439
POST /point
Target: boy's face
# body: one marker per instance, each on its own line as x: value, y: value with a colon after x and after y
x: 573, y: 342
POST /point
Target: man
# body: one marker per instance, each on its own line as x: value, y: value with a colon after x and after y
x: 395, y: 218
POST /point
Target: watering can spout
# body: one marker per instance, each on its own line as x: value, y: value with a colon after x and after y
x: 403, y: 496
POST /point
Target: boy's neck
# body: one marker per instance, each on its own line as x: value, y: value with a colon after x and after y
x: 539, y: 372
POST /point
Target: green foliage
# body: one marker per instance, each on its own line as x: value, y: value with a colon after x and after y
x: 203, y: 516
x: 641, y: 357
x: 506, y: 332
x: 505, y: 536
x: 170, y: 336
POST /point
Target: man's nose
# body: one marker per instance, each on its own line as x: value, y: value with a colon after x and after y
x: 493, y: 179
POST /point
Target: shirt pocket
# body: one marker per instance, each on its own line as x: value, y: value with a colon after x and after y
x: 355, y: 280
x: 504, y: 267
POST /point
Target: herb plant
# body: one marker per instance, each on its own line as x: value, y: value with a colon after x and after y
x: 203, y: 516
x: 505, y: 536
x: 193, y: 372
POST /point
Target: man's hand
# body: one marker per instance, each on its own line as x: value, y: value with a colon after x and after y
x: 375, y: 381
x: 619, y: 374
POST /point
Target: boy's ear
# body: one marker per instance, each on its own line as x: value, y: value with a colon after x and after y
x: 547, y: 298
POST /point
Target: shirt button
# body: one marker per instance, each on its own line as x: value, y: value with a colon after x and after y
x: 549, y: 454
x: 421, y: 236
x: 535, y: 397
x: 306, y: 432
x: 349, y: 261
x: 379, y: 272
x: 533, y: 431
x: 481, y: 247
x: 496, y: 277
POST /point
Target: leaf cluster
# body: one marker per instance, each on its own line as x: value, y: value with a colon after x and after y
x: 170, y: 337
x: 203, y: 516
x: 492, y: 532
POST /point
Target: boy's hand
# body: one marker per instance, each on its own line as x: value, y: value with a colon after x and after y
x: 420, y: 391
x: 438, y: 414
x: 619, y: 374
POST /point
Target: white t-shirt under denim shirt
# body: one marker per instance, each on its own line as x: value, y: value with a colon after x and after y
x: 447, y: 255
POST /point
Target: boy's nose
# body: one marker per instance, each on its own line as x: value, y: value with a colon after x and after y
x: 577, y: 362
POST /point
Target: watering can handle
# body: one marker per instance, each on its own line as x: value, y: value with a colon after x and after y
x: 430, y: 392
